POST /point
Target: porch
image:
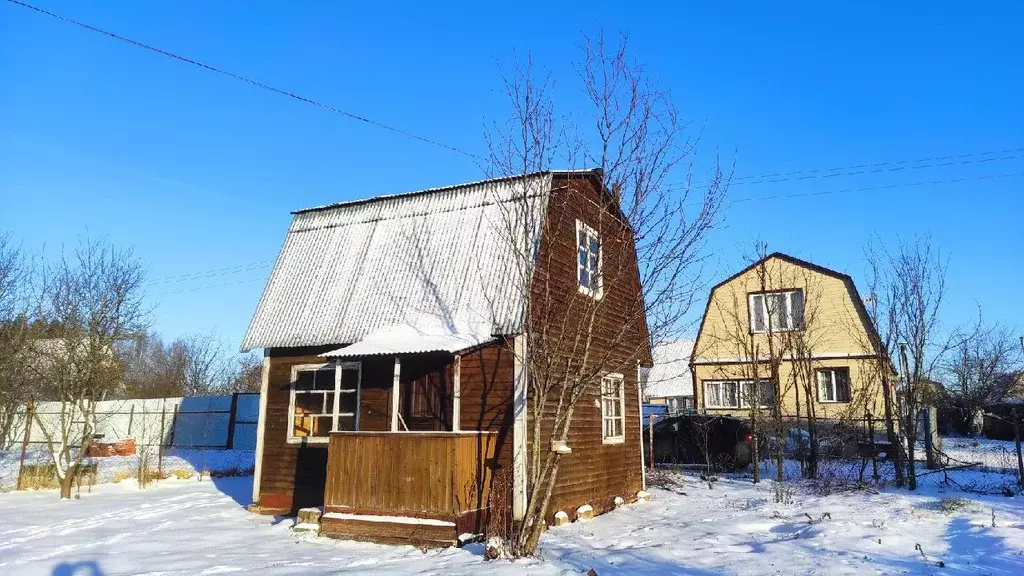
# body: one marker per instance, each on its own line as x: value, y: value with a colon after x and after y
x: 420, y: 487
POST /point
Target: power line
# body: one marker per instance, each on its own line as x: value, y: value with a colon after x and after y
x: 237, y: 269
x: 209, y: 287
x: 250, y: 81
x: 874, y: 188
x: 876, y: 168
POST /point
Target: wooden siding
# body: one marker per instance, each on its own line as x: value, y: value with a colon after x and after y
x: 292, y: 476
x: 836, y: 330
x: 595, y: 472
x: 422, y: 474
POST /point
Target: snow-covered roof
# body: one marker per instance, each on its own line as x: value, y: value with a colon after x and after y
x: 351, y: 269
x: 670, y: 375
x: 428, y: 334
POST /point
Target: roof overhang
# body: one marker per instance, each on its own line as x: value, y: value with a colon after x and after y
x: 404, y: 339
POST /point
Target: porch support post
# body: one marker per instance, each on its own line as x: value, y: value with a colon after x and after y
x: 519, y: 427
x: 457, y: 393
x: 261, y: 426
x: 395, y: 390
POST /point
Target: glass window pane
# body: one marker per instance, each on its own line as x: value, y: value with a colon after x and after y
x: 757, y: 313
x: 321, y: 426
x: 304, y: 379
x: 777, y: 311
x: 324, y: 379
x: 798, y: 309
x: 729, y: 394
x: 346, y: 423
x: 301, y: 426
x: 328, y: 403
x: 767, y: 392
x: 349, y: 378
x: 308, y: 403
x: 347, y: 403
x: 584, y: 278
x: 842, y: 385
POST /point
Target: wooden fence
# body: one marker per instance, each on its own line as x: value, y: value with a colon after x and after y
x: 432, y: 474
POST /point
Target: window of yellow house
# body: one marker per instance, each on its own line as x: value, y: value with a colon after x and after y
x: 738, y: 393
x: 780, y: 311
x: 834, y: 385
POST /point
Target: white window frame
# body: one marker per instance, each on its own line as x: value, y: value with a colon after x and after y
x: 620, y: 395
x: 676, y: 404
x: 791, y: 321
x: 832, y: 384
x: 596, y: 293
x: 339, y: 368
x: 741, y: 403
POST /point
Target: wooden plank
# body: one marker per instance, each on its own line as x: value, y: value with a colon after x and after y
x: 414, y: 473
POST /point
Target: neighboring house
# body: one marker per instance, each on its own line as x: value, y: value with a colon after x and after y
x: 806, y: 318
x: 394, y: 387
x: 669, y: 382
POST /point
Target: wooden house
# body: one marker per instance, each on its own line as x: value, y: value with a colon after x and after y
x: 808, y: 320
x: 396, y: 381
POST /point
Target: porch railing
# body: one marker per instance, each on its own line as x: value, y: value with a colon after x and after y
x: 436, y: 474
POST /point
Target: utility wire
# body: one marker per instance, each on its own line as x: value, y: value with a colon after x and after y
x: 250, y: 81
x: 210, y: 286
x: 238, y: 269
x: 877, y: 168
x: 873, y: 188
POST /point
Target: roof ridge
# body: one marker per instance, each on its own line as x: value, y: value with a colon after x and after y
x: 450, y: 187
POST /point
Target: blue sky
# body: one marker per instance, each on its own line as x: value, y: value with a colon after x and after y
x: 199, y: 172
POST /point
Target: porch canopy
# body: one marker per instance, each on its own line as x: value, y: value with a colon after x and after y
x: 419, y: 337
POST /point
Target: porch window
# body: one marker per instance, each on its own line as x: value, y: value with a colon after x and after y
x: 613, y: 407
x: 588, y: 252
x: 323, y: 398
x: 784, y: 311
x: 738, y: 394
x: 834, y: 385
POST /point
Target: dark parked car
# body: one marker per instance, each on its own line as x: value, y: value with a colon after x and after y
x: 693, y: 438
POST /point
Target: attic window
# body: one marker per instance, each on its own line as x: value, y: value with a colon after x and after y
x: 776, y: 311
x: 588, y: 269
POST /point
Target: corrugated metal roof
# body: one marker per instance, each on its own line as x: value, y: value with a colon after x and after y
x: 670, y: 375
x: 408, y: 339
x: 350, y: 269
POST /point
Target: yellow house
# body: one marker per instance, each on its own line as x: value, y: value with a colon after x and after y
x: 786, y: 328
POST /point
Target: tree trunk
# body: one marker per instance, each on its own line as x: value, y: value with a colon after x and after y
x: 895, y: 447
x: 67, y: 483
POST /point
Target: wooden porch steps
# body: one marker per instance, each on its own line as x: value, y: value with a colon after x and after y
x: 389, y: 529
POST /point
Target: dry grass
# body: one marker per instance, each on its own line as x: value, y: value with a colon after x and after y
x: 122, y: 474
x: 183, y: 473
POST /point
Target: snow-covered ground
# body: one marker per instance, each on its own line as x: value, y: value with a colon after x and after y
x: 179, y: 462
x: 193, y: 527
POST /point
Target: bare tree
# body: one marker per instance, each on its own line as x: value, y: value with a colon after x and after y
x: 637, y: 142
x: 16, y: 301
x: 979, y: 371
x: 93, y: 299
x: 246, y: 374
x: 193, y: 365
x: 911, y: 287
x: 206, y: 368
